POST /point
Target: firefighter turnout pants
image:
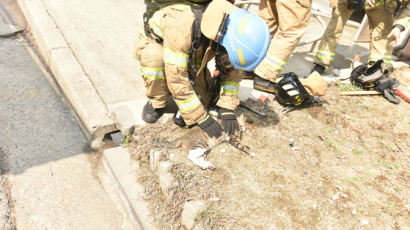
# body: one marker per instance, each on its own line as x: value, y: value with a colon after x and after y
x: 380, y: 23
x: 287, y: 21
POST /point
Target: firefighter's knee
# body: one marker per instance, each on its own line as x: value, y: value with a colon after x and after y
x: 151, y: 55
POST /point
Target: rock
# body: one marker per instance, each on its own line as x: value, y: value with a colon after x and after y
x: 163, y: 166
x: 97, y: 143
x: 165, y: 118
x: 364, y: 222
x: 154, y: 160
x: 167, y: 181
x: 214, y: 199
x: 292, y: 143
x: 354, y: 212
x: 191, y: 210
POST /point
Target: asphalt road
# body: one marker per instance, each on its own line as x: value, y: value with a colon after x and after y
x: 47, y: 175
x: 33, y: 117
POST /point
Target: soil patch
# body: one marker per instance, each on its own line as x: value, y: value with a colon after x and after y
x: 344, y: 165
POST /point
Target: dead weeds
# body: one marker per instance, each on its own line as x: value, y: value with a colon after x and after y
x: 346, y: 169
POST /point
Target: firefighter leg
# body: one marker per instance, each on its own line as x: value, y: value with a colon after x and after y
x: 267, y: 11
x: 150, y: 55
x: 327, y: 47
x: 291, y: 18
x: 380, y: 23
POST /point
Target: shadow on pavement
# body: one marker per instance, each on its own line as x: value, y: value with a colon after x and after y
x: 36, y: 127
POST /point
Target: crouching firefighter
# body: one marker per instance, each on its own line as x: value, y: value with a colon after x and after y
x: 179, y: 40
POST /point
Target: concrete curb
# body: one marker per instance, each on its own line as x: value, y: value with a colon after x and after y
x: 122, y: 169
x: 86, y: 105
x: 92, y: 114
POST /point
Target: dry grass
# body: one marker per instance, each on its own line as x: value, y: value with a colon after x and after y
x: 348, y: 170
x: 193, y: 183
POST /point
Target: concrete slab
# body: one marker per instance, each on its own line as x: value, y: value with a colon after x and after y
x: 104, y: 48
x: 103, y: 42
x: 118, y: 163
x: 63, y: 193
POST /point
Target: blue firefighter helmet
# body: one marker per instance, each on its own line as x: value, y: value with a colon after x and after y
x: 246, y: 39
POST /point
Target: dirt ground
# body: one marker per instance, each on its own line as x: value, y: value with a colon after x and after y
x: 341, y: 166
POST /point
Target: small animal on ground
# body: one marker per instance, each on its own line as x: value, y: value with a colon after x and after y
x: 197, y: 143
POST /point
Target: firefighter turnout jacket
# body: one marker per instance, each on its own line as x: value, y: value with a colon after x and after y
x: 165, y: 67
x: 287, y: 21
x: 380, y: 23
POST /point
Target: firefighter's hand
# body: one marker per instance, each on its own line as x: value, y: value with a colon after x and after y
x: 211, y: 127
x: 229, y: 121
x: 394, y: 35
x: 370, y: 2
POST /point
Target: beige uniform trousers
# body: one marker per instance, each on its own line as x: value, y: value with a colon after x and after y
x: 380, y: 23
x: 165, y: 67
x: 287, y: 21
x: 404, y: 17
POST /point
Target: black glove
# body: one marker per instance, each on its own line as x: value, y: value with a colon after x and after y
x: 229, y: 121
x: 386, y: 85
x: 211, y: 127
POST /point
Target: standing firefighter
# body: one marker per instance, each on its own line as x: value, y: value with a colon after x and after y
x: 174, y: 51
x: 287, y: 21
x: 380, y: 23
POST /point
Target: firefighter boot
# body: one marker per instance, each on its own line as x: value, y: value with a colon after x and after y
x: 328, y: 71
x: 263, y: 85
x: 178, y: 120
x: 151, y: 115
x: 319, y: 68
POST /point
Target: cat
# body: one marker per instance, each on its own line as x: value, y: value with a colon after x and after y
x: 198, y: 143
